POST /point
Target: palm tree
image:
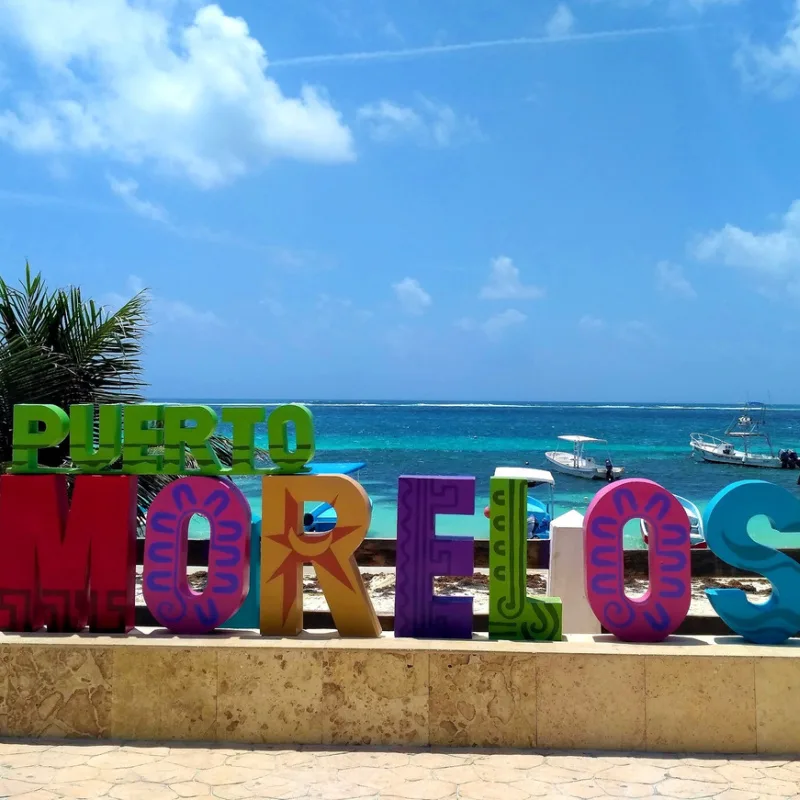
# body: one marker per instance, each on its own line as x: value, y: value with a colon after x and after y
x: 58, y: 347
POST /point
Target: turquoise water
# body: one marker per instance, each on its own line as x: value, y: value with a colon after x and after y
x: 650, y: 441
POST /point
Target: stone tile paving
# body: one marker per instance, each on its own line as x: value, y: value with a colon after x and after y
x: 38, y: 771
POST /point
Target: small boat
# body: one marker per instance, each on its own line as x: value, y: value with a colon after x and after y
x: 322, y: 518
x: 540, y: 511
x: 697, y: 539
x: 747, y: 430
x: 578, y: 464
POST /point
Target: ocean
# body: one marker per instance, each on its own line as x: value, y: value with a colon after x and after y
x: 650, y: 441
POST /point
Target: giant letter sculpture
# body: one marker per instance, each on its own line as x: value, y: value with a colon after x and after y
x: 666, y: 603
x: 726, y: 518
x: 63, y: 565
x: 248, y: 615
x: 87, y: 454
x: 181, y: 439
x: 36, y: 427
x: 284, y: 458
x: 422, y: 555
x: 165, y: 586
x: 142, y: 439
x: 285, y: 547
x: 512, y: 614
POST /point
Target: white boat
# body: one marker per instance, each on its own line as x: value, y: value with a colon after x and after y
x: 540, y: 512
x: 746, y: 432
x: 697, y: 538
x: 577, y: 463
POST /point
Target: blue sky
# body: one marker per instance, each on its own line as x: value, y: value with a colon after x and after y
x: 430, y: 199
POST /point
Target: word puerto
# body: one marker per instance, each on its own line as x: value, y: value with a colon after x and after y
x: 69, y: 562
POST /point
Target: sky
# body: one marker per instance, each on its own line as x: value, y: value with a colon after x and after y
x: 533, y: 200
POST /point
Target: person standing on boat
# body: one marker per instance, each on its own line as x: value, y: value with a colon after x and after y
x: 609, y: 470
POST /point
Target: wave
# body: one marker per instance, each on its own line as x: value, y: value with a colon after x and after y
x: 426, y: 405
x: 520, y: 406
x: 553, y: 406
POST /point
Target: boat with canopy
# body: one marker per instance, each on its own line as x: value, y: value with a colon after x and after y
x: 746, y: 443
x: 322, y: 518
x: 697, y: 539
x: 580, y: 465
x: 540, y: 510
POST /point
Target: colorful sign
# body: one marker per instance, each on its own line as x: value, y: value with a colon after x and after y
x: 512, y: 614
x: 68, y: 559
x: 666, y: 603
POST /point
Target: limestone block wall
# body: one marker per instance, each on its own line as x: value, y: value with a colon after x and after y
x: 588, y: 692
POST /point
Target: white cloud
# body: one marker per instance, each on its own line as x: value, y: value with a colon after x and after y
x: 591, y: 324
x: 427, y: 123
x: 561, y: 22
x: 337, y: 308
x: 286, y: 258
x: 411, y: 296
x: 390, y: 30
x: 388, y: 121
x: 505, y: 284
x: 674, y: 5
x: 628, y: 331
x: 671, y: 280
x: 636, y: 331
x: 496, y: 326
x: 774, y: 252
x: 163, y: 309
x: 465, y: 324
x: 128, y: 192
x: 126, y: 80
x: 179, y: 311
x: 774, y: 67
x: 275, y: 307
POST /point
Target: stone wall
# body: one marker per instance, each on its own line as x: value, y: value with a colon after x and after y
x: 588, y: 692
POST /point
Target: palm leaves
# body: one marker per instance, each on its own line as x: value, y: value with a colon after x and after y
x: 58, y: 347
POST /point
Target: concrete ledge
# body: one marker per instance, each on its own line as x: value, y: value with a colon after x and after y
x: 690, y: 694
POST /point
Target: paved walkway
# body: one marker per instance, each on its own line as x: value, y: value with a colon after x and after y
x: 41, y: 772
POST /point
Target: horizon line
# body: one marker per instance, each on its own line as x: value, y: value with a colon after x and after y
x: 722, y: 404
x: 442, y: 49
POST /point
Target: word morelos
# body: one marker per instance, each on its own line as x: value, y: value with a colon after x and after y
x: 69, y: 562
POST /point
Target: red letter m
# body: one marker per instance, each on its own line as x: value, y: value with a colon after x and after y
x: 64, y: 564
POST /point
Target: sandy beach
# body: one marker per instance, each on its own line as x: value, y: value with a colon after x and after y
x: 380, y: 583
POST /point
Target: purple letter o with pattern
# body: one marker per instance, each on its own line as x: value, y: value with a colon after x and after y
x: 165, y: 586
x: 665, y: 605
x: 422, y: 555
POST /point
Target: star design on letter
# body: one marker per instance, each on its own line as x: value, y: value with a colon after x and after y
x: 295, y: 547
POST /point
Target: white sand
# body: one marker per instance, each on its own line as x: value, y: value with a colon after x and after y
x: 380, y: 582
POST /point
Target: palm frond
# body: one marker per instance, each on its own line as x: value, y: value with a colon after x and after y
x: 61, y: 348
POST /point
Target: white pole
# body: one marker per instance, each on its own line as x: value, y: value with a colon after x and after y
x: 566, y: 576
